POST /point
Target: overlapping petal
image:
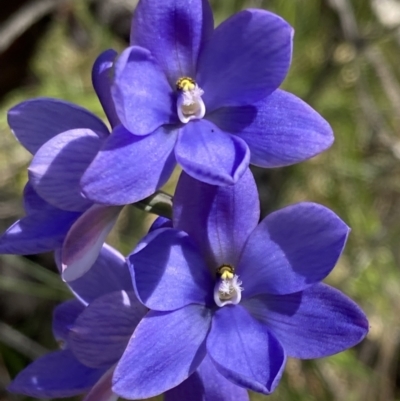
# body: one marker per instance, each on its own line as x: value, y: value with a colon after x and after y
x: 166, y: 348
x: 292, y: 249
x: 102, y: 391
x: 218, y: 219
x: 102, y: 331
x: 38, y: 232
x: 317, y: 322
x: 185, y: 26
x: 280, y: 129
x: 210, y: 155
x: 129, y: 168
x: 33, y: 202
x: 244, y: 350
x: 85, y: 239
x: 143, y: 98
x: 57, y: 168
x: 64, y: 316
x: 36, y: 121
x: 246, y: 59
x: 55, y: 375
x: 109, y: 273
x: 169, y: 273
x: 102, y: 81
x: 207, y: 384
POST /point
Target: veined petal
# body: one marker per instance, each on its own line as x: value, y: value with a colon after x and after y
x: 55, y: 375
x: 129, y: 168
x: 280, y: 129
x: 246, y: 59
x: 166, y: 348
x: 148, y: 239
x: 109, y: 273
x: 169, y: 273
x: 102, y: 391
x: 244, y: 350
x: 57, y: 168
x: 101, y: 332
x: 143, y: 98
x: 102, y: 81
x: 34, y: 203
x: 210, y: 155
x: 36, y: 121
x: 292, y: 249
x: 38, y: 232
x: 85, y: 239
x: 185, y: 26
x: 64, y: 316
x: 218, y: 219
x: 317, y: 322
x: 207, y: 384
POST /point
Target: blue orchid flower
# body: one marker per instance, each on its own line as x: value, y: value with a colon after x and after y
x: 64, y: 139
x: 245, y: 295
x: 204, y: 98
x: 62, y: 373
x: 93, y: 331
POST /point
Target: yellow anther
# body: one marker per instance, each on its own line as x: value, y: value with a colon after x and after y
x: 227, y: 275
x: 185, y: 84
x: 226, y: 272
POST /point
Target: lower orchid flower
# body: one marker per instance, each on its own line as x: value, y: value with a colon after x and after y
x: 93, y: 331
x: 62, y: 373
x: 241, y: 295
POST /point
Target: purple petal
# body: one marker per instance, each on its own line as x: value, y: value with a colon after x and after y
x: 245, y: 60
x: 39, y: 232
x: 185, y: 26
x: 169, y: 273
x: 55, y: 375
x: 129, y: 168
x: 280, y: 129
x: 147, y: 239
x: 109, y: 273
x: 207, y: 384
x: 165, y: 350
x: 57, y: 168
x: 292, y: 249
x: 85, y: 240
x: 36, y: 121
x: 101, y: 332
x: 64, y: 316
x: 314, y: 323
x: 102, y: 391
x: 33, y: 202
x: 102, y: 79
x: 160, y: 222
x: 210, y: 155
x: 218, y: 219
x: 144, y: 100
x: 244, y: 351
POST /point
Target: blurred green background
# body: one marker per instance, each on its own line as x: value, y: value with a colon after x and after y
x: 346, y: 64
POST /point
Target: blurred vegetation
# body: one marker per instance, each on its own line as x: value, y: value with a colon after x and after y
x: 346, y: 65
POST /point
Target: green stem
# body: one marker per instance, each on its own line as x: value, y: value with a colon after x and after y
x: 159, y: 203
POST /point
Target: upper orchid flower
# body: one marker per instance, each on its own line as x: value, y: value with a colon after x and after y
x: 242, y: 294
x: 203, y: 97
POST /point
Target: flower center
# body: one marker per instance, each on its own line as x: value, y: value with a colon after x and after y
x: 228, y: 288
x: 190, y: 105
